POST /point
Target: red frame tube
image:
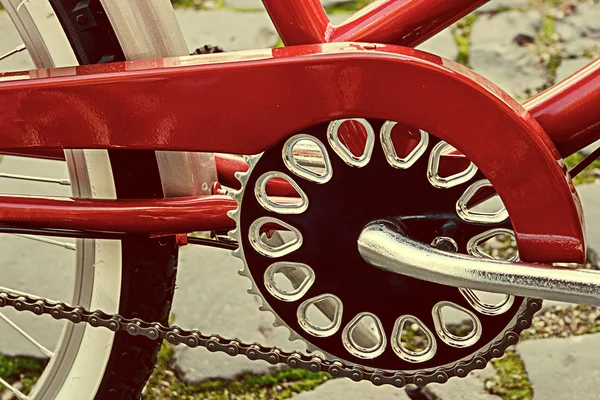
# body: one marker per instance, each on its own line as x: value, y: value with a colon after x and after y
x: 570, y: 110
x: 567, y: 111
x: 156, y: 216
x: 299, y: 22
x: 48, y: 154
x: 544, y: 210
x: 402, y: 22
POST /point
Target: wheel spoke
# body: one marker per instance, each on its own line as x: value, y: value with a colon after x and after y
x: 64, y: 182
x: 14, y: 51
x: 25, y: 294
x: 13, y: 389
x: 68, y: 246
x: 27, y: 336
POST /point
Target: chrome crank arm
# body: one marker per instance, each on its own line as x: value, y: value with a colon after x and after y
x: 383, y: 246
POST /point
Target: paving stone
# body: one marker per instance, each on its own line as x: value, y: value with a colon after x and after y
x: 580, y: 31
x: 495, y: 5
x: 563, y: 369
x: 229, y: 29
x: 589, y: 195
x: 10, y: 40
x: 248, y: 4
x: 470, y: 388
x: 570, y: 66
x: 442, y: 44
x: 212, y: 297
x: 19, y: 255
x: 496, y: 54
x: 345, y: 389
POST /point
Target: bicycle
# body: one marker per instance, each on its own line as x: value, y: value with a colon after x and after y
x: 137, y: 191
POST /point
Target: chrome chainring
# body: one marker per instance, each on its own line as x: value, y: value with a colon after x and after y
x: 358, y: 363
x: 314, y: 280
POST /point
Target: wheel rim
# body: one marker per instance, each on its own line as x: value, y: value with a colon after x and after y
x: 81, y: 353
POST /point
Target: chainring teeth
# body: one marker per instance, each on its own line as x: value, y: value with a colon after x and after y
x: 438, y: 374
x: 236, y: 235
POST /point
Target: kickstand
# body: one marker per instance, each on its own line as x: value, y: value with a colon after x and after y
x: 419, y: 393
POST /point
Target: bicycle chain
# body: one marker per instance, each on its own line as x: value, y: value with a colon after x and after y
x: 273, y: 355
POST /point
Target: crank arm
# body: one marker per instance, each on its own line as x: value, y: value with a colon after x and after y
x: 383, y: 246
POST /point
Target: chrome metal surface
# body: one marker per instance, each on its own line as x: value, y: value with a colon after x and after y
x: 64, y: 182
x: 285, y: 206
x: 383, y: 247
x: 448, y: 337
x: 267, y: 250
x: 16, y: 392
x: 27, y: 336
x: 466, y: 213
x: 445, y: 243
x: 411, y: 355
x: 65, y: 245
x: 16, y: 50
x: 361, y: 346
x: 390, y: 152
x: 332, y: 313
x: 300, y: 165
x: 445, y: 182
x: 343, y: 151
x: 474, y: 243
x: 485, y: 307
x: 299, y: 276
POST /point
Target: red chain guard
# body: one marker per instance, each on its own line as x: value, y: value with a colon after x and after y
x: 246, y: 102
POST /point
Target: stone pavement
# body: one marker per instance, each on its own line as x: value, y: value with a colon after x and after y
x: 501, y: 49
x: 563, y: 369
x: 496, y: 54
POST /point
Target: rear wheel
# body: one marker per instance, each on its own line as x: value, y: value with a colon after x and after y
x: 133, y: 277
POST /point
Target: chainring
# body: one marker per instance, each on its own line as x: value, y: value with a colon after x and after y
x: 337, y: 211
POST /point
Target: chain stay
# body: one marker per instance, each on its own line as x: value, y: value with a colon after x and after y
x: 272, y: 355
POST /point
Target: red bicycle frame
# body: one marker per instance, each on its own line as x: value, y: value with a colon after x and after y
x: 153, y: 105
x: 568, y: 111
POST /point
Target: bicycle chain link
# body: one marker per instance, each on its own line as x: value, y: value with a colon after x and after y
x: 273, y: 355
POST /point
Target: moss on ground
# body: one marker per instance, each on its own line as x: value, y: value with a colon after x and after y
x: 21, y: 369
x: 462, y: 36
x: 548, y: 48
x: 279, y: 385
x: 512, y: 382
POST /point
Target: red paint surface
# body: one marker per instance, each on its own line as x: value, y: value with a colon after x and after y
x: 173, y: 215
x: 299, y: 22
x: 227, y: 165
x: 154, y: 105
x: 48, y: 154
x: 570, y: 110
x: 402, y: 22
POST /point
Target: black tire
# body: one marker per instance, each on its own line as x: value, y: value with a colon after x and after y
x: 149, y: 265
